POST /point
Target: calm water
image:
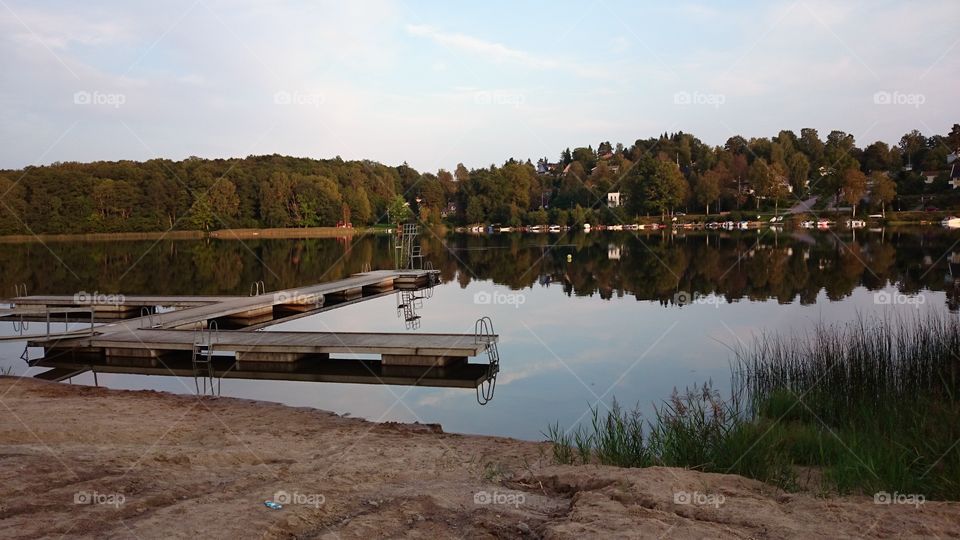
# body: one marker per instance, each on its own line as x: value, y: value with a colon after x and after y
x: 582, y: 318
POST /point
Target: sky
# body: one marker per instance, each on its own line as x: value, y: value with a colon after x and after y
x: 434, y: 84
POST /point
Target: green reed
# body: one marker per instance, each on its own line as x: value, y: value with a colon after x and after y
x: 873, y: 404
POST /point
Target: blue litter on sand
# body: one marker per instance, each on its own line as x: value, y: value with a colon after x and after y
x: 272, y: 505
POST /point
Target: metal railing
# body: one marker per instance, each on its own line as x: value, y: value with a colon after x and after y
x: 483, y: 333
x: 257, y: 288
x: 202, y: 358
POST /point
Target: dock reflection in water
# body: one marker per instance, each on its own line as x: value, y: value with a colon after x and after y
x: 188, y: 342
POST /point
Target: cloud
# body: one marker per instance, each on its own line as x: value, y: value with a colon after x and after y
x: 498, y: 52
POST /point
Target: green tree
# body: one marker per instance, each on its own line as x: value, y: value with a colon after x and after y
x: 664, y: 189
x: 761, y: 180
x: 707, y: 188
x: 884, y: 190
x: 854, y: 186
x: 399, y: 210
x: 798, y: 170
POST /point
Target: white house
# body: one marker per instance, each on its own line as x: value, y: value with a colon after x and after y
x: 613, y: 199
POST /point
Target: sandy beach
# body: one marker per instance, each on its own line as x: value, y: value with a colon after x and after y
x: 92, y: 462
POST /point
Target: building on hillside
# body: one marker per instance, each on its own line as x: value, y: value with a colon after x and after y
x: 930, y: 176
x: 613, y: 199
x: 545, y: 167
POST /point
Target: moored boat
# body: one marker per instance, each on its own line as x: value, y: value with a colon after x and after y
x: 951, y: 222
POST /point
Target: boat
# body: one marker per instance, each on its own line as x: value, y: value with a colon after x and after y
x: 856, y: 223
x: 951, y: 222
x: 586, y: 227
x: 554, y: 228
x: 808, y: 224
x: 506, y: 229
x: 535, y: 228
x: 823, y: 224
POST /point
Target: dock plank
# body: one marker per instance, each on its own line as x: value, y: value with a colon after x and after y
x: 285, y: 342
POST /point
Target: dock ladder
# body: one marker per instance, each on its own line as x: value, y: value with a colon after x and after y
x: 202, y: 359
x: 483, y: 333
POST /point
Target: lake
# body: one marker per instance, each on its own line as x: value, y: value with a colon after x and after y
x: 582, y: 318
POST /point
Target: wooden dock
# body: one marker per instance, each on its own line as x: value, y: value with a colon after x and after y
x: 329, y: 371
x: 195, y: 327
x: 198, y: 310
x: 394, y: 349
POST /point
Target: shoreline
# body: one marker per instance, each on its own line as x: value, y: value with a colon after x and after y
x: 101, y: 462
x: 220, y: 234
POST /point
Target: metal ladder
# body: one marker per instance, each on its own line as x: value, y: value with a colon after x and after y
x: 20, y: 326
x: 483, y: 333
x: 146, y: 313
x: 408, y: 304
x: 257, y: 288
x: 202, y: 359
x: 404, y: 255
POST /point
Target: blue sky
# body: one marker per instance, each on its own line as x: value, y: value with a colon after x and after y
x: 435, y: 84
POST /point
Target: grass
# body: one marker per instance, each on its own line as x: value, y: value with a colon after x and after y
x: 872, y: 404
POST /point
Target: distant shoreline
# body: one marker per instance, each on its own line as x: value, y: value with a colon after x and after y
x: 222, y: 234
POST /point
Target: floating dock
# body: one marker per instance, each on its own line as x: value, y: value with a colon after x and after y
x: 438, y: 350
x: 221, y: 326
x: 330, y: 371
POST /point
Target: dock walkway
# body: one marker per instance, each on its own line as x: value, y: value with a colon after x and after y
x: 190, y: 329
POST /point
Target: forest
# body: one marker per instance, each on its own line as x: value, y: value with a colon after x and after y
x: 656, y: 177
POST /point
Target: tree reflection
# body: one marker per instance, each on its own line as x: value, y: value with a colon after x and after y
x: 764, y: 265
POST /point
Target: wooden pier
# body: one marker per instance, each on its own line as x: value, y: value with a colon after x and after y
x: 197, y: 327
x: 332, y: 371
x: 394, y: 349
x: 194, y: 310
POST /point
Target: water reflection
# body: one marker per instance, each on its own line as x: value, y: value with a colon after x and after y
x: 753, y: 265
x: 602, y: 315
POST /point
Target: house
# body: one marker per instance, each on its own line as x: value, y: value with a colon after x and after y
x: 449, y: 210
x: 613, y: 252
x: 613, y: 199
x: 545, y: 167
x: 930, y: 176
x: 955, y: 175
x: 606, y: 155
x: 785, y: 185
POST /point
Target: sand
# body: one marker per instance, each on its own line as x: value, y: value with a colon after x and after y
x: 91, y: 462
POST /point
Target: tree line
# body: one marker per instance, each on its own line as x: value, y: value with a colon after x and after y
x: 656, y: 176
